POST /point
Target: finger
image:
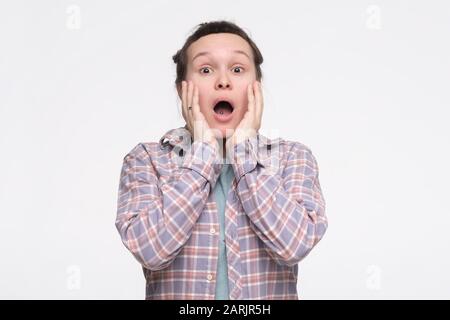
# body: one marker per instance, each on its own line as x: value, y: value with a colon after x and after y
x: 195, y: 108
x: 186, y: 113
x: 258, y: 100
x: 189, y: 95
x: 195, y: 105
x: 183, y: 98
x: 189, y: 117
x: 257, y: 96
x: 251, y: 98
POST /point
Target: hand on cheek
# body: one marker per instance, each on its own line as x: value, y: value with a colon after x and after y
x: 195, y: 120
x: 251, y: 122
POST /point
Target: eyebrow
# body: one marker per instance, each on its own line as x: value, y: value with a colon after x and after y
x: 205, y: 53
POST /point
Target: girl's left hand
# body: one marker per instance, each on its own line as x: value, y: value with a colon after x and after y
x: 251, y: 122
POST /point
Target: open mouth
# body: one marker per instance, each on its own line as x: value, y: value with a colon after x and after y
x: 223, y: 111
x: 223, y: 108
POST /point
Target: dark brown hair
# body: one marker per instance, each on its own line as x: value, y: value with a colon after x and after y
x: 203, y: 29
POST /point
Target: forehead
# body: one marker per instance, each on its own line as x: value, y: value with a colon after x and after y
x: 218, y: 44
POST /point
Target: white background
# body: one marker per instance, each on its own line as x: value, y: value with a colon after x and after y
x: 365, y: 84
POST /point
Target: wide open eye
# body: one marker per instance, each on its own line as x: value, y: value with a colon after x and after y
x: 205, y: 68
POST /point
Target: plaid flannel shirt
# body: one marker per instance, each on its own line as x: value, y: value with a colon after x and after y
x: 167, y: 216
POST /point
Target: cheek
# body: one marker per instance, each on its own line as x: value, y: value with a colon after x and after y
x: 243, y: 91
x: 240, y: 113
x: 203, y: 103
x: 202, y: 98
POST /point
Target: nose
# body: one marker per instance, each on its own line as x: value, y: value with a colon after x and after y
x: 223, y: 83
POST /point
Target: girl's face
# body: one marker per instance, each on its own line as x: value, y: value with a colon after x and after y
x: 221, y: 66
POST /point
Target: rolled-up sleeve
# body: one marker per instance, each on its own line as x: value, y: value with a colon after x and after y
x: 155, y: 223
x: 286, y: 208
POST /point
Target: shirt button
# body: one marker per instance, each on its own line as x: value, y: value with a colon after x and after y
x: 209, y: 277
x: 212, y: 230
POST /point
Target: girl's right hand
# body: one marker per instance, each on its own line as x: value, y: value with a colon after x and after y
x: 195, y: 120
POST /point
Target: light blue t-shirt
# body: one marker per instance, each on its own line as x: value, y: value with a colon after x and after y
x: 220, y: 193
